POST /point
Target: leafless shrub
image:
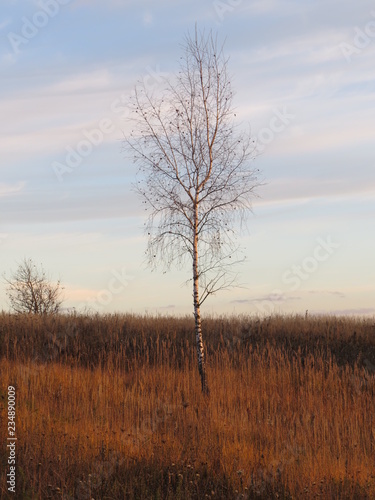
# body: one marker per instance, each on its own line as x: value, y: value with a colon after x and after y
x: 30, y: 290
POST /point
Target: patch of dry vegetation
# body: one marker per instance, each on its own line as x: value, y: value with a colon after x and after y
x: 111, y: 407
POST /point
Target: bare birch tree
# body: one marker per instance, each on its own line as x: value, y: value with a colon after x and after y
x: 29, y: 290
x: 195, y: 174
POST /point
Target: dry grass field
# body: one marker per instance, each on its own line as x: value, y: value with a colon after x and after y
x: 110, y: 407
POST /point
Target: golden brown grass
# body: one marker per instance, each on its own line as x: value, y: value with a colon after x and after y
x: 111, y: 407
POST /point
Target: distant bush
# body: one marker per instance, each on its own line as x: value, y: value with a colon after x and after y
x: 29, y: 290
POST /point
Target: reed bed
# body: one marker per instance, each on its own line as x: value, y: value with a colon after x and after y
x: 110, y: 407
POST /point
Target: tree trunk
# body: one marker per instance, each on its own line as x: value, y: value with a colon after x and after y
x: 200, y: 350
x: 197, y: 317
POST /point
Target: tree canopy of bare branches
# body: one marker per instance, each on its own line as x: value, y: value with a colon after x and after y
x: 195, y: 175
x: 29, y: 290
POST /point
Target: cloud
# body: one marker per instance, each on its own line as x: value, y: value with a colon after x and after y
x: 339, y: 294
x: 76, y: 294
x: 148, y: 18
x: 6, y: 22
x: 122, y: 4
x: 271, y: 297
x: 8, y: 59
x: 317, y: 47
x: 97, y: 204
x: 266, y: 6
x: 11, y: 189
x: 84, y: 82
x: 46, y: 118
x: 292, y: 191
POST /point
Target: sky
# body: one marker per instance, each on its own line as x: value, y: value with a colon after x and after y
x: 304, y: 81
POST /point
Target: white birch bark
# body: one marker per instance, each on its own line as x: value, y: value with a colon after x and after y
x: 197, y: 312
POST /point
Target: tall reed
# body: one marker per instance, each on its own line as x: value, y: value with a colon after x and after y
x: 111, y: 407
